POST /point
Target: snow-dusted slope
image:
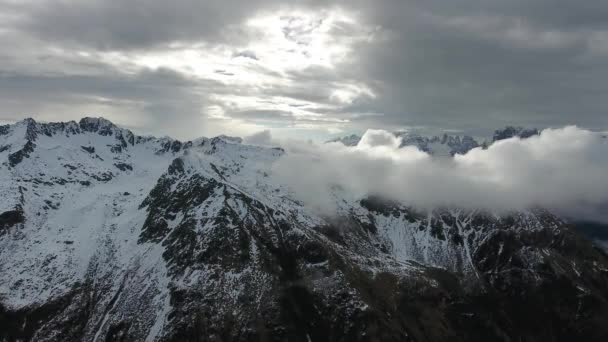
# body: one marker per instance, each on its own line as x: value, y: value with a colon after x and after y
x: 79, y: 186
x: 107, y: 236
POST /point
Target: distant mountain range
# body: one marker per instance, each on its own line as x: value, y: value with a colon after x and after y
x: 446, y: 144
x: 110, y: 236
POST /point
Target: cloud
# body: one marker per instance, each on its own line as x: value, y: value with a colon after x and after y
x: 470, y: 65
x: 375, y: 138
x: 153, y: 101
x: 484, y: 64
x: 245, y: 54
x: 263, y: 138
x: 561, y: 169
x: 133, y: 24
x: 237, y: 57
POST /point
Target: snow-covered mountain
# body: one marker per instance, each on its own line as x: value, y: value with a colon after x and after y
x: 109, y: 236
x: 446, y: 144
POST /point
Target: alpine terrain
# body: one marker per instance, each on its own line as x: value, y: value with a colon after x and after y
x: 110, y: 236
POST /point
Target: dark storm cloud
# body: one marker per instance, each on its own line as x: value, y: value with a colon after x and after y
x: 130, y: 24
x: 487, y: 63
x: 469, y: 65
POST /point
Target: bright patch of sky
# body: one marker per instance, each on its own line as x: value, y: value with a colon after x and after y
x: 284, y: 42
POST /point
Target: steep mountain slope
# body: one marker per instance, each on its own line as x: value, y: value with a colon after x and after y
x: 107, y: 236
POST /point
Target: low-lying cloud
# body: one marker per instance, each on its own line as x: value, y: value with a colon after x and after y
x: 263, y: 138
x: 565, y: 170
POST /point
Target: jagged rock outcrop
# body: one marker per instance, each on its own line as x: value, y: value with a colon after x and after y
x: 511, y: 131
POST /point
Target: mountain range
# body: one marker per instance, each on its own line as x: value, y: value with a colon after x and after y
x: 110, y: 236
x: 446, y: 144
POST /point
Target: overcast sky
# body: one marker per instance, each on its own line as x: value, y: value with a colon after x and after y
x: 314, y: 69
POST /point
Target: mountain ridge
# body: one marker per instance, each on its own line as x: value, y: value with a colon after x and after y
x: 446, y: 144
x: 108, y: 236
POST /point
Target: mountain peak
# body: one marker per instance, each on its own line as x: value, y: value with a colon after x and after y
x: 98, y: 124
x: 230, y: 139
x: 28, y: 121
x: 30, y: 128
x: 513, y: 131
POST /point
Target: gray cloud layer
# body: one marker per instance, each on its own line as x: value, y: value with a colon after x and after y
x: 471, y: 65
x: 536, y: 62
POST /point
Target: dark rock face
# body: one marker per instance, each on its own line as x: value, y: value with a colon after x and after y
x: 124, y: 166
x: 171, y: 146
x: 510, y: 132
x: 103, y: 177
x: 596, y: 231
x: 89, y: 149
x: 564, y: 289
x: 31, y: 132
x: 463, y: 146
x: 24, y: 324
x: 17, y: 157
x: 98, y: 125
x: 10, y: 218
x: 5, y: 129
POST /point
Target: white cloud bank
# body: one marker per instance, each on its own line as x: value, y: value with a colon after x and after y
x: 564, y: 169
